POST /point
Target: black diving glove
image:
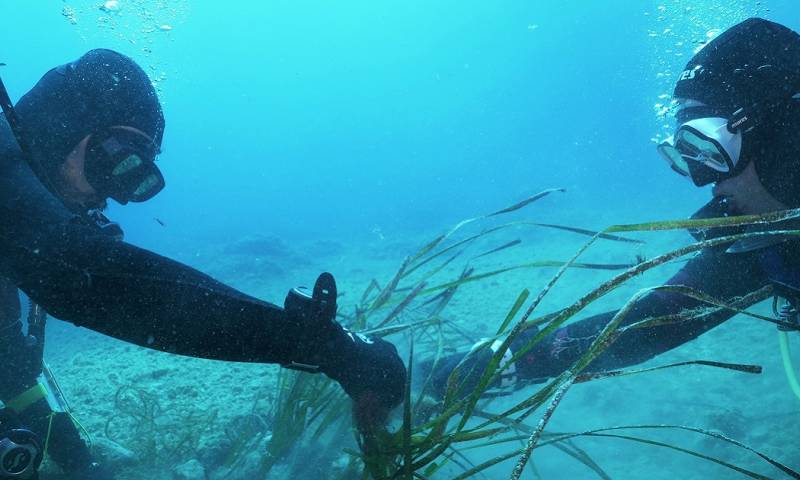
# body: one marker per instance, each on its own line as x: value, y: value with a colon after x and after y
x: 472, y: 364
x: 368, y: 369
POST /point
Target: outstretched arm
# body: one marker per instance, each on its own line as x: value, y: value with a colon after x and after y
x: 722, y: 275
x: 80, y: 275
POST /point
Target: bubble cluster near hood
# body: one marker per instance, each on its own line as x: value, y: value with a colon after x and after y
x: 101, y: 89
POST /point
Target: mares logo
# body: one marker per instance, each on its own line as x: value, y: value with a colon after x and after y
x: 360, y: 336
x: 690, y: 74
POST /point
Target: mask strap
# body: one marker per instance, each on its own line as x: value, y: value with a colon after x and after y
x: 746, y: 119
x: 741, y: 121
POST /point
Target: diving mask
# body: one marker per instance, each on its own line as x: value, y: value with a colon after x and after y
x: 120, y: 164
x: 707, y: 146
x: 706, y: 150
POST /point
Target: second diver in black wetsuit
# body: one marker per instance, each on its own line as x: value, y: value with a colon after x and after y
x: 88, y: 131
x: 738, y: 122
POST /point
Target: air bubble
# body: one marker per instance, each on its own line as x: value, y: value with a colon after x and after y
x: 110, y: 6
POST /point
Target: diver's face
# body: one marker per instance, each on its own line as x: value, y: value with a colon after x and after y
x: 746, y: 194
x: 72, y: 182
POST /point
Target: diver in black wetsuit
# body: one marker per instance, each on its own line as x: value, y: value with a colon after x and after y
x: 88, y: 131
x: 738, y: 122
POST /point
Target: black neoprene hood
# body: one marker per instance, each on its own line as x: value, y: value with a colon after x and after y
x: 101, y: 89
x: 752, y: 61
x: 756, y: 62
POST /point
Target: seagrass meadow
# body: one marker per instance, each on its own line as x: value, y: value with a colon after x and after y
x: 678, y: 414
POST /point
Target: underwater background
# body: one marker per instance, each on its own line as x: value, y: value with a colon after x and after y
x: 308, y: 136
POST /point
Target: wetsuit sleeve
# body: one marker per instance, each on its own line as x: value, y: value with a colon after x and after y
x: 721, y: 275
x: 80, y: 275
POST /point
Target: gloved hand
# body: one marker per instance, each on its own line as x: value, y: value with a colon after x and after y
x: 368, y: 369
x: 371, y: 373
x: 472, y: 365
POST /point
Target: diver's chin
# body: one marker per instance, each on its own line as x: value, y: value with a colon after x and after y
x: 86, y: 205
x: 97, y: 204
x: 719, y: 193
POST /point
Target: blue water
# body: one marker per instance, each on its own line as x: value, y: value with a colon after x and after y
x: 324, y: 119
x: 351, y: 121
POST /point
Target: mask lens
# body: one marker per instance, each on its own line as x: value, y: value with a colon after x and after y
x: 130, y: 162
x: 698, y: 149
x: 674, y: 158
x: 151, y: 184
x: 121, y: 165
